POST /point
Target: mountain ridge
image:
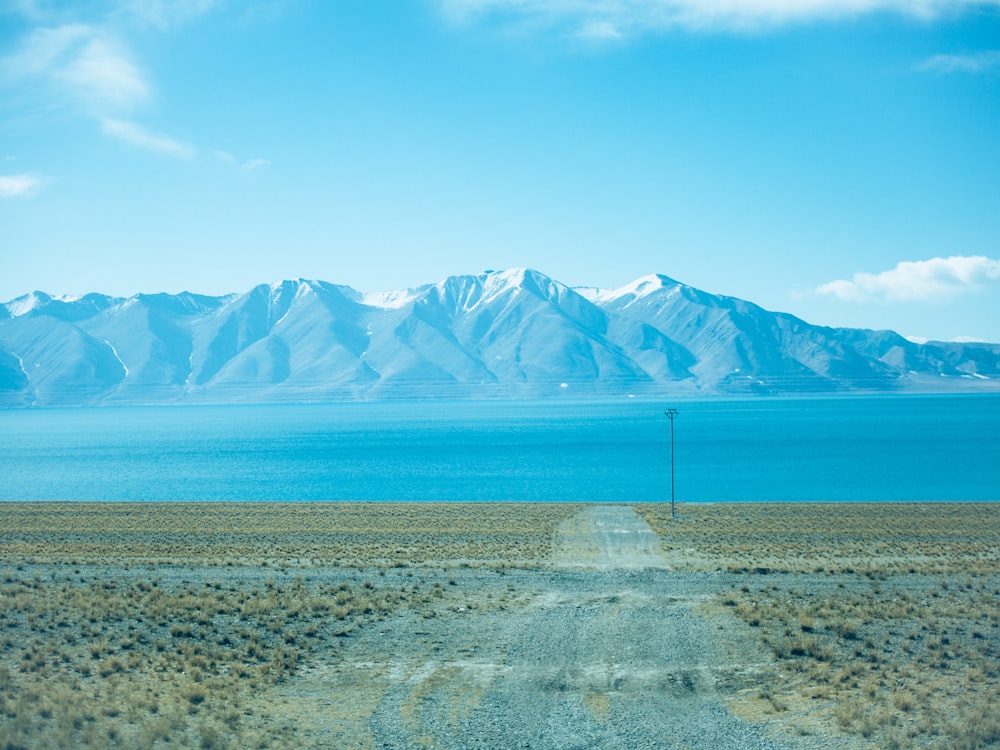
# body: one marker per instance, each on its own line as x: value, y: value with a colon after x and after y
x: 515, y: 333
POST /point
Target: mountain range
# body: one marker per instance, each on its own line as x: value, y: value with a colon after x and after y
x: 507, y: 334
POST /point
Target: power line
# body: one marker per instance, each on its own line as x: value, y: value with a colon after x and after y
x: 671, y: 414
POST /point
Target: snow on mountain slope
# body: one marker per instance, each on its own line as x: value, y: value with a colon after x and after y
x: 14, y: 381
x: 64, y: 308
x: 64, y: 364
x: 514, y: 333
x: 152, y: 339
x: 518, y: 329
x: 739, y: 346
x: 632, y: 292
x: 303, y: 335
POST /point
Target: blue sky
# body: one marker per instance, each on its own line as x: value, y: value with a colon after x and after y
x: 836, y: 159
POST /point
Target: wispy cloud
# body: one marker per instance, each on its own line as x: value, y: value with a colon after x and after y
x: 84, y: 64
x: 620, y: 18
x: 165, y: 14
x: 31, y: 10
x: 979, y: 62
x: 136, y: 135
x: 103, y: 72
x: 43, y: 49
x: 224, y: 156
x: 20, y: 185
x: 247, y: 166
x: 88, y: 67
x: 601, y: 31
x: 162, y: 14
x: 937, y: 278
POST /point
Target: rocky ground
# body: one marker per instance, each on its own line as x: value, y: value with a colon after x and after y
x: 607, y: 649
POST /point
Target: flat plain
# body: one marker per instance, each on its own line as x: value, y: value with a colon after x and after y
x: 497, y: 625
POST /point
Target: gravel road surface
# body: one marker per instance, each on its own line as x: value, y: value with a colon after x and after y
x: 603, y: 650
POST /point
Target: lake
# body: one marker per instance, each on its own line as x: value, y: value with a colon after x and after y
x: 878, y: 448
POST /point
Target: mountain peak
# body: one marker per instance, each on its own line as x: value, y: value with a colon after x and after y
x: 27, y: 302
x: 509, y: 276
x: 392, y: 300
x: 465, y: 291
x: 64, y: 306
x: 631, y: 292
x: 499, y: 282
x: 296, y: 286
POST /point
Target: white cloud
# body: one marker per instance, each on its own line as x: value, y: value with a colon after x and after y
x: 617, y: 18
x: 84, y: 63
x: 600, y: 31
x: 89, y: 69
x: 19, y: 185
x: 937, y: 278
x: 136, y: 135
x: 979, y: 62
x: 43, y: 49
x: 103, y: 73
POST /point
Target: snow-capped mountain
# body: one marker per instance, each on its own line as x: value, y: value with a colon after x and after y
x: 515, y: 333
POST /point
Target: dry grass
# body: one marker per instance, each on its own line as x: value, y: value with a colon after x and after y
x: 134, y: 662
x: 870, y: 538
x: 162, y: 625
x: 884, y: 619
x: 282, y: 534
x: 906, y: 662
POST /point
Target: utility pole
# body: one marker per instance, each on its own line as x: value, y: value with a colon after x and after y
x: 671, y: 414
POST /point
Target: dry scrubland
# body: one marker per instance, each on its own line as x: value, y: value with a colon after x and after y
x: 282, y: 535
x: 884, y: 619
x: 873, y: 539
x: 167, y: 625
x: 160, y: 624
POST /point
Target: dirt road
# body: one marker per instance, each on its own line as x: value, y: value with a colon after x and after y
x: 603, y: 650
x: 608, y: 537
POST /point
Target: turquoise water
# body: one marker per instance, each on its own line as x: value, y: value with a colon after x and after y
x: 898, y: 448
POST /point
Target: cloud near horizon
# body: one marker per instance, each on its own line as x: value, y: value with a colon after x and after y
x: 909, y: 281
x: 616, y: 19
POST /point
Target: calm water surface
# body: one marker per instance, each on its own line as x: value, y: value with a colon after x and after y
x: 897, y: 448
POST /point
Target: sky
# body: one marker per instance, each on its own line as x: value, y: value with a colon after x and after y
x: 835, y: 159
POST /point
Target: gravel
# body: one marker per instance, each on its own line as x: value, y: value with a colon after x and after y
x: 606, y: 649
